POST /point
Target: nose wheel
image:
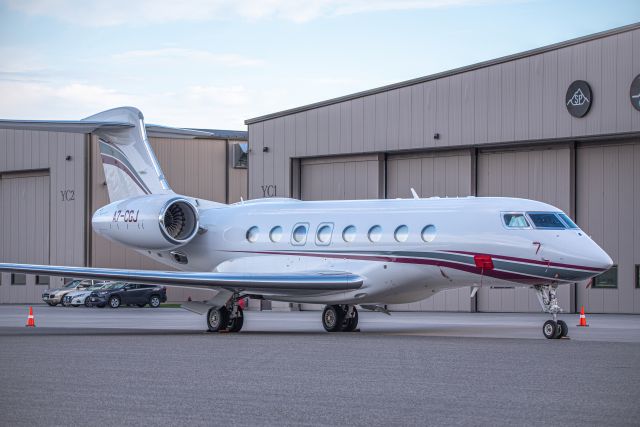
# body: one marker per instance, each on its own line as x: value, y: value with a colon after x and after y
x: 551, y: 329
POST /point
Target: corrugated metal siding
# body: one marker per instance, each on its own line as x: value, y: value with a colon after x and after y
x: 445, y: 174
x: 23, y: 151
x: 608, y: 206
x: 24, y: 232
x: 521, y: 100
x: 539, y: 174
x: 341, y: 178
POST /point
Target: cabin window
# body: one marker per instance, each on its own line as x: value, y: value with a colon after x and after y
x: 275, y: 234
x: 545, y: 220
x: 429, y: 233
x: 375, y: 233
x: 401, y: 234
x: 323, y: 235
x: 567, y: 221
x: 607, y: 280
x: 515, y: 220
x: 299, y: 236
x: 252, y: 234
x: 349, y: 234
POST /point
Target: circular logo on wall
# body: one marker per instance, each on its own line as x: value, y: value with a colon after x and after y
x: 578, y: 98
x: 634, y: 93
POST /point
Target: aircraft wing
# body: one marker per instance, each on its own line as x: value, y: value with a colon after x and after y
x: 259, y: 283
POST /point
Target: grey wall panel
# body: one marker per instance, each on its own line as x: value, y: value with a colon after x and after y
x: 454, y: 131
x: 393, y: 120
x: 24, y: 151
x: 312, y: 133
x: 480, y: 106
x: 552, y: 99
x: 608, y: 191
x: 345, y: 128
x: 508, y: 101
x: 357, y: 126
x: 533, y: 174
x: 468, y: 107
x: 381, y: 122
x: 24, y: 233
x: 323, y: 132
x: 404, y: 119
x: 442, y: 174
x: 523, y: 99
x: 419, y: 119
x: 334, y: 129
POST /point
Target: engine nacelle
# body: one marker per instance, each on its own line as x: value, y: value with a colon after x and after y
x: 157, y: 221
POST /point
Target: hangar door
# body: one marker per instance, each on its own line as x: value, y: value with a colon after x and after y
x: 443, y: 174
x: 608, y: 209
x: 24, y: 231
x: 543, y: 174
x: 341, y: 178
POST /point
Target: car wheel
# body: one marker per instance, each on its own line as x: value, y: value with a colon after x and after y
x: 154, y: 301
x: 141, y: 305
x: 114, y: 302
x: 87, y: 302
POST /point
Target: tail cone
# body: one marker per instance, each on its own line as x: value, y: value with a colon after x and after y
x: 31, y: 322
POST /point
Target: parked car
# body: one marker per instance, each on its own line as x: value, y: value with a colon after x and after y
x: 54, y: 297
x: 129, y: 293
x: 80, y: 297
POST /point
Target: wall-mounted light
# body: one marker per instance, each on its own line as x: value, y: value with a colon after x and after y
x: 68, y: 158
x: 436, y: 136
x: 265, y: 149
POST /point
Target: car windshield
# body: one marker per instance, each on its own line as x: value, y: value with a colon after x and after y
x: 117, y: 286
x: 545, y: 220
x: 72, y: 284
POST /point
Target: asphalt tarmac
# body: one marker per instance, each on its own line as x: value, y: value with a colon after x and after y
x: 157, y: 367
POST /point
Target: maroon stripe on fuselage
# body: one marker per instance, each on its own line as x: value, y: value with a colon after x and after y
x: 498, y: 274
x: 531, y: 261
x: 109, y: 160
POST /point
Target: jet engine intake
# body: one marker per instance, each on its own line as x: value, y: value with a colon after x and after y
x: 157, y: 221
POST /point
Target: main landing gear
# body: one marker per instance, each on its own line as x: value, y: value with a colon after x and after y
x: 340, y: 318
x: 228, y: 318
x: 552, y: 329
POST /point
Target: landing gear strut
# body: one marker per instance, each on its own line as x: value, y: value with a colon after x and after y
x: 228, y: 318
x: 552, y: 329
x: 340, y: 318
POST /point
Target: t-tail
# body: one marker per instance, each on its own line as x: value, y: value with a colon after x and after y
x: 130, y: 166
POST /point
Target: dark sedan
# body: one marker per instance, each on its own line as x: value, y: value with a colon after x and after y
x: 129, y: 294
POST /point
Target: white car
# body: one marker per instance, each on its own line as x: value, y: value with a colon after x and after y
x: 78, y: 298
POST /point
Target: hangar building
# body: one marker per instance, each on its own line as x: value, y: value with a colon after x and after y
x: 560, y: 124
x: 51, y: 182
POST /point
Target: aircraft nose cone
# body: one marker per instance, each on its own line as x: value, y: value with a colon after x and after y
x: 602, y: 260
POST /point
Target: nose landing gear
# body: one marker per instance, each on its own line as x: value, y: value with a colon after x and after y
x: 552, y: 329
x: 340, y: 318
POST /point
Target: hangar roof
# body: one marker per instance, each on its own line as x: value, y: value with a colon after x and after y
x: 445, y: 73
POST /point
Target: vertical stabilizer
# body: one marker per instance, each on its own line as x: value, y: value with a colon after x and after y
x: 130, y: 166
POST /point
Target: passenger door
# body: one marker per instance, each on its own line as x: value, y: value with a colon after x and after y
x: 129, y: 294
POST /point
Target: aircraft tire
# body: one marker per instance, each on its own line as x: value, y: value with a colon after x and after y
x: 549, y: 329
x: 352, y: 323
x: 235, y: 324
x: 564, y: 329
x: 332, y: 317
x: 217, y: 319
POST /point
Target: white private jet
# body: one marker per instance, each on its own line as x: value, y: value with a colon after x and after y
x: 343, y: 254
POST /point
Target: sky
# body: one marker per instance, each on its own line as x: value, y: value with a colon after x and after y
x: 216, y: 63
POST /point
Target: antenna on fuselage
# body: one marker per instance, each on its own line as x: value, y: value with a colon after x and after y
x: 415, y: 195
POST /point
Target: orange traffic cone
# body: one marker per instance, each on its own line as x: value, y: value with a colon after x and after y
x: 31, y: 322
x: 583, y: 318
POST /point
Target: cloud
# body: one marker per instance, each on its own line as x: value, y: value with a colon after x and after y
x: 125, y: 12
x: 190, y: 55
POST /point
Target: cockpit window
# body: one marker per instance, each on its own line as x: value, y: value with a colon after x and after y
x: 568, y: 222
x: 515, y: 220
x: 545, y: 220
